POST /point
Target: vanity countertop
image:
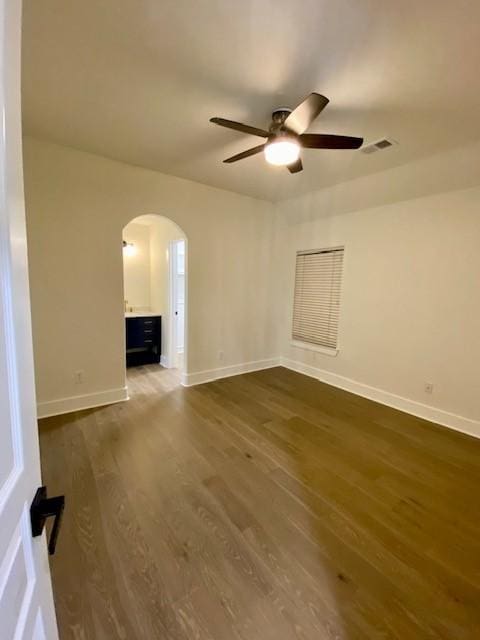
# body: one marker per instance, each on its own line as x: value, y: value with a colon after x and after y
x: 141, y: 314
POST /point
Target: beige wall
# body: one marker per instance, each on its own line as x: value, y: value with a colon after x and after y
x: 410, y: 306
x: 77, y: 205
x: 136, y: 267
x: 410, y: 310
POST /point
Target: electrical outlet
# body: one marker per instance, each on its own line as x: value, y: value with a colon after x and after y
x: 79, y: 376
x: 221, y: 356
x: 428, y: 387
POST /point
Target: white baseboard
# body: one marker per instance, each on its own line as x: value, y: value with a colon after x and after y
x: 199, y: 377
x: 77, y: 403
x: 425, y: 411
x: 164, y: 361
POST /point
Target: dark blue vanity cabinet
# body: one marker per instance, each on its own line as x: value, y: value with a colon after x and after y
x: 143, y: 339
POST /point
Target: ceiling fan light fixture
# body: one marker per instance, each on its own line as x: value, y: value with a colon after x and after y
x: 282, y: 152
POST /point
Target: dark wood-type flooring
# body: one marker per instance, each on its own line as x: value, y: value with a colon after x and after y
x: 266, y: 506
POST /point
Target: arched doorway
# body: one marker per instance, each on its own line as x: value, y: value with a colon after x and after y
x: 155, y: 292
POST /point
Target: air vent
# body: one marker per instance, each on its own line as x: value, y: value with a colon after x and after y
x: 379, y: 145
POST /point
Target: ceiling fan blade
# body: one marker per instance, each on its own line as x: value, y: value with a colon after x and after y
x: 245, y: 154
x: 238, y: 126
x: 306, y: 112
x: 296, y: 166
x: 328, y: 141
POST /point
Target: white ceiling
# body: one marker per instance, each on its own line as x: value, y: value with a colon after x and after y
x: 138, y: 80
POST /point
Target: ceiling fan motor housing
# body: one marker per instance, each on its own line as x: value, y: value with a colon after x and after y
x: 278, y: 118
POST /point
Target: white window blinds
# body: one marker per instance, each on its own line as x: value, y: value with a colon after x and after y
x: 316, y: 306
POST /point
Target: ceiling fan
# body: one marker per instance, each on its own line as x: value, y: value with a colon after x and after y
x: 286, y: 137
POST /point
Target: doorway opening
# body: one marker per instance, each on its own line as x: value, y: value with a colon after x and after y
x: 155, y: 293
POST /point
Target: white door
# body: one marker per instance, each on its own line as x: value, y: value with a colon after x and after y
x: 26, y: 602
x: 180, y: 296
x: 177, y: 302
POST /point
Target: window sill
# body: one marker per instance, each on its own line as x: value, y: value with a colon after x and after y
x: 327, y: 351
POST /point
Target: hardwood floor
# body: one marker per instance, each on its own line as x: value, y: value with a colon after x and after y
x: 266, y: 506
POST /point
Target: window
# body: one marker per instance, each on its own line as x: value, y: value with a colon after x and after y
x: 316, y: 305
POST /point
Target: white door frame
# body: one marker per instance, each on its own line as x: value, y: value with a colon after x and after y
x: 172, y: 284
x: 26, y: 601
